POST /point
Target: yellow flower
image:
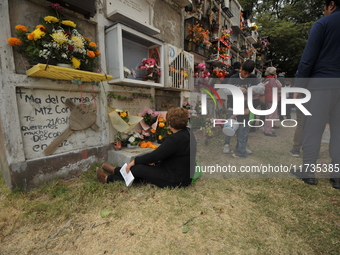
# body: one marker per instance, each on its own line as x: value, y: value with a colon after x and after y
x: 21, y: 28
x: 160, y: 137
x: 14, y: 41
x: 123, y: 114
x: 75, y: 62
x: 38, y: 34
x: 68, y: 23
x: 161, y: 124
x: 50, y: 19
x: 59, y: 37
x: 77, y: 42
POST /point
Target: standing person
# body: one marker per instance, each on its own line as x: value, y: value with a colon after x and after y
x: 319, y: 62
x: 243, y: 79
x: 172, y: 164
x: 270, y: 83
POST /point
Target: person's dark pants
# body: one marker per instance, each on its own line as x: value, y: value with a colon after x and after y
x: 324, y: 106
x: 298, y: 131
x: 242, y: 139
x: 148, y: 174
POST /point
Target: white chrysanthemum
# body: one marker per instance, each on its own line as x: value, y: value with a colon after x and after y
x: 131, y: 139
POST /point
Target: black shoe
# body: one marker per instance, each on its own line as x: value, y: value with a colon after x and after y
x: 295, y: 153
x: 269, y: 134
x: 298, y: 174
x: 335, y: 183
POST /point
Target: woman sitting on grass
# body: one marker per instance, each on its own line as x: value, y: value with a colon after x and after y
x: 170, y: 164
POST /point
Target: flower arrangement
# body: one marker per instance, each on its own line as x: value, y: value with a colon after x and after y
x: 219, y: 73
x: 201, y: 71
x: 181, y: 73
x: 56, y: 40
x: 163, y: 130
x: 153, y: 71
x: 186, y: 105
x: 198, y: 34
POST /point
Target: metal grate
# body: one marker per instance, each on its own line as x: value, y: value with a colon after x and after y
x: 181, y: 67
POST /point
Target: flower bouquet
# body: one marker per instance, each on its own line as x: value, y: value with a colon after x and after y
x: 122, y: 121
x: 56, y: 40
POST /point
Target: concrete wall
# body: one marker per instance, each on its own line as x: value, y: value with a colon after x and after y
x: 33, y: 111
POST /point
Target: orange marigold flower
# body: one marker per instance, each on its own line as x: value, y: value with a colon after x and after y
x: 14, y: 41
x: 154, y: 146
x: 30, y: 36
x: 97, y: 52
x: 160, y: 137
x: 21, y: 28
x: 149, y: 144
x: 161, y: 124
x: 91, y: 54
x: 153, y: 130
x: 143, y: 145
x: 93, y: 44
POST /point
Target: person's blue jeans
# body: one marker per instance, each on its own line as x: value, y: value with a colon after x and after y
x: 242, y: 139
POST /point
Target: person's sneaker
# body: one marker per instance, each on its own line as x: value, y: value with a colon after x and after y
x: 226, y: 149
x: 235, y: 155
x: 249, y: 151
x: 295, y: 153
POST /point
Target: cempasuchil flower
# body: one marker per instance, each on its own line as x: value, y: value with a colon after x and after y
x: 14, y: 41
x: 21, y: 28
x: 50, y: 19
x: 93, y: 44
x: 91, y: 54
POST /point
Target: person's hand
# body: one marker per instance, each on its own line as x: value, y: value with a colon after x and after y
x: 131, y: 164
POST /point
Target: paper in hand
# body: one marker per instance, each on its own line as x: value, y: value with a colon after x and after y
x: 128, y: 177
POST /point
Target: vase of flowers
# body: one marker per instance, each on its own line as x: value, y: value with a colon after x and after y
x: 133, y: 139
x: 56, y: 40
x: 152, y: 70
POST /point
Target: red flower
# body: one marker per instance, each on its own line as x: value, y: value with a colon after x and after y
x: 70, y: 48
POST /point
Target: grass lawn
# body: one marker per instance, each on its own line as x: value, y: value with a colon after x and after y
x: 218, y: 215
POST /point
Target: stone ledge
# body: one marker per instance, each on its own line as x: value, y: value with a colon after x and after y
x: 125, y: 155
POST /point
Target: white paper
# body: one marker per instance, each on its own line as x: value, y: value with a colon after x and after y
x: 128, y: 177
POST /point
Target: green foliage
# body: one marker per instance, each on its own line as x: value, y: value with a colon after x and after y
x: 287, y: 23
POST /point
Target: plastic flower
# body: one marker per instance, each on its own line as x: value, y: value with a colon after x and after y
x: 21, y: 28
x: 50, y: 19
x: 14, y: 41
x: 75, y: 62
x: 68, y: 23
x: 91, y: 54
